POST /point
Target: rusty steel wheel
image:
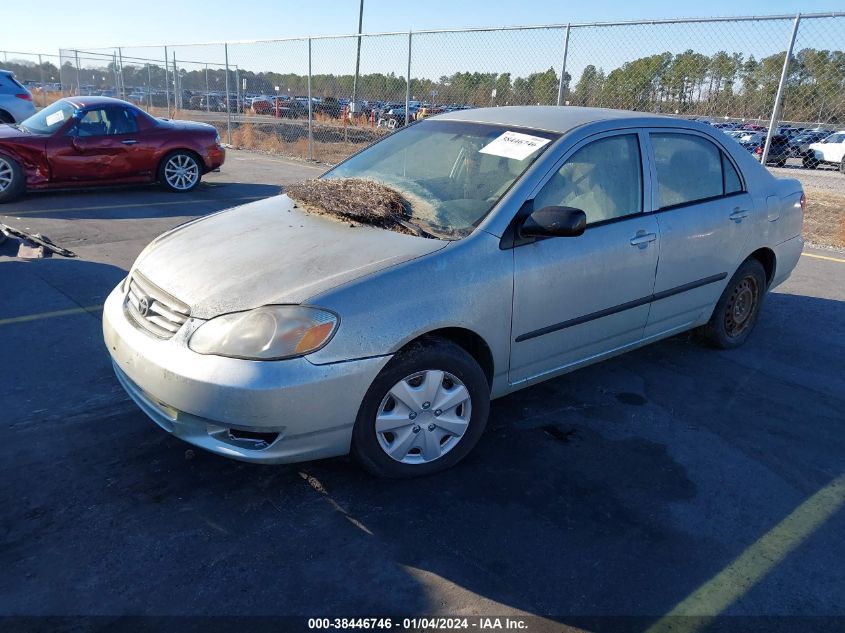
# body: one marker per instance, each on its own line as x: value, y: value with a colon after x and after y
x: 736, y: 312
x: 741, y: 306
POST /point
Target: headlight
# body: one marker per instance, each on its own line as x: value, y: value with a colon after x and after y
x: 267, y: 333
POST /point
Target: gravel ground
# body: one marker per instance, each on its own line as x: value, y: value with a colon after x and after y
x: 825, y: 178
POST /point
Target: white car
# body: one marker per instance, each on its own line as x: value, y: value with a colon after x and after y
x: 830, y: 151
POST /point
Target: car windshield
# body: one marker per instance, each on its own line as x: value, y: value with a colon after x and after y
x: 451, y: 173
x: 50, y: 118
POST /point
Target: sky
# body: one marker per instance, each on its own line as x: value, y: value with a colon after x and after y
x: 60, y: 23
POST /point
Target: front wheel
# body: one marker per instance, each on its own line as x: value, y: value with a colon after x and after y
x: 12, y: 180
x: 180, y: 171
x: 738, y: 308
x: 810, y: 163
x: 423, y: 413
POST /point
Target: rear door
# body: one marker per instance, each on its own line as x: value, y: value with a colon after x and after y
x: 705, y: 217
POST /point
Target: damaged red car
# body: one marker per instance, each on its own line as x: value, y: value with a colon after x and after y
x: 93, y: 141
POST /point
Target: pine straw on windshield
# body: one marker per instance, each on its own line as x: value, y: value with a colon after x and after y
x: 353, y: 199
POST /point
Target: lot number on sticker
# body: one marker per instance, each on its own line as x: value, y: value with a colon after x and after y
x: 514, y: 145
x: 56, y: 117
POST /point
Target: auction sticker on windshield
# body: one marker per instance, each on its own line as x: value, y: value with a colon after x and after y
x: 514, y: 145
x: 56, y: 117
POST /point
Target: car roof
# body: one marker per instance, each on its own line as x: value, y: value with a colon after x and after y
x: 88, y: 101
x: 559, y: 119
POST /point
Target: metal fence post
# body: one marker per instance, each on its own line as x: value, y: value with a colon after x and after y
x: 149, y: 87
x: 177, y: 92
x: 122, y: 83
x: 78, y: 84
x: 166, y: 81
x: 114, y: 67
x: 310, y: 108
x: 43, y: 86
x: 560, y: 88
x: 207, y: 100
x: 781, y: 85
x: 237, y: 89
x: 228, y: 109
x: 408, y: 84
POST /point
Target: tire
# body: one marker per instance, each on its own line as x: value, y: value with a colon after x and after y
x: 810, y: 163
x: 780, y: 163
x: 443, y: 369
x: 739, y: 306
x: 842, y: 166
x: 171, y: 174
x: 5, y: 117
x: 12, y: 179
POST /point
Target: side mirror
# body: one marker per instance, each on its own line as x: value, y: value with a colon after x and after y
x: 554, y: 222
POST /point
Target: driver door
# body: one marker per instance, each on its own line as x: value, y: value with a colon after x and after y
x: 95, y: 149
x: 579, y: 298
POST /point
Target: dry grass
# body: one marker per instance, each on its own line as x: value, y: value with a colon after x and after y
x: 352, y: 199
x: 824, y: 221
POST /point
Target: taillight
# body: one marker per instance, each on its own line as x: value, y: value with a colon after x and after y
x: 759, y: 150
x: 25, y: 96
x: 803, y: 203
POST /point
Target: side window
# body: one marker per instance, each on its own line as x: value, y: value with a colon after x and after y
x: 603, y: 179
x: 691, y: 168
x: 92, y: 123
x: 121, y: 121
x: 732, y: 182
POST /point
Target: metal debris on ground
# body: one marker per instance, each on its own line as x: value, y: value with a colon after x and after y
x: 17, y: 243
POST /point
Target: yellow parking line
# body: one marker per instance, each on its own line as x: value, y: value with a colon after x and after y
x: 730, y: 584
x: 129, y: 206
x: 830, y: 259
x: 49, y: 315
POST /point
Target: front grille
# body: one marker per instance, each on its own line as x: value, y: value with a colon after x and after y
x: 152, y: 309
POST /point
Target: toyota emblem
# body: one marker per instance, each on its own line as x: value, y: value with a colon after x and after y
x: 144, y: 306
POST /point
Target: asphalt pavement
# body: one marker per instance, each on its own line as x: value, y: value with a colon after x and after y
x: 670, y: 481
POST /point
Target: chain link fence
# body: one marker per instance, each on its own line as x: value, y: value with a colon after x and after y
x: 323, y: 98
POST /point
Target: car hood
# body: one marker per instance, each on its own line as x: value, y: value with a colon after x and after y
x: 190, y: 125
x: 8, y: 132
x: 269, y: 252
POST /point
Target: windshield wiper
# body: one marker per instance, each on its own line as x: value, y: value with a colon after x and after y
x: 415, y: 228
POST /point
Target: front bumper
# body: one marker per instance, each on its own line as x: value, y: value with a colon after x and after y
x: 257, y: 411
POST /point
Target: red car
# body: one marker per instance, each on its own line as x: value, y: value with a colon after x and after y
x: 89, y: 141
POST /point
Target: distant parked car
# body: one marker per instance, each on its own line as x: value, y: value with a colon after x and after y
x: 779, y: 150
x: 89, y: 141
x: 800, y: 145
x: 15, y: 100
x: 329, y: 106
x: 535, y: 241
x: 830, y: 151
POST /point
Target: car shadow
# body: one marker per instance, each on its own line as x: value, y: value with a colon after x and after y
x: 611, y: 492
x: 136, y: 201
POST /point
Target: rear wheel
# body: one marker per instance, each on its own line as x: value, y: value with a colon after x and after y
x: 738, y: 308
x: 423, y: 413
x: 12, y: 179
x: 810, y: 163
x: 842, y: 166
x: 180, y: 171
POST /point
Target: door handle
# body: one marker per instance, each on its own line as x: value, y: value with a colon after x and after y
x: 642, y: 239
x: 738, y: 215
x: 129, y: 142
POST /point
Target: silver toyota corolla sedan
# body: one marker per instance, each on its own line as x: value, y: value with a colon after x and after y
x: 544, y: 239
